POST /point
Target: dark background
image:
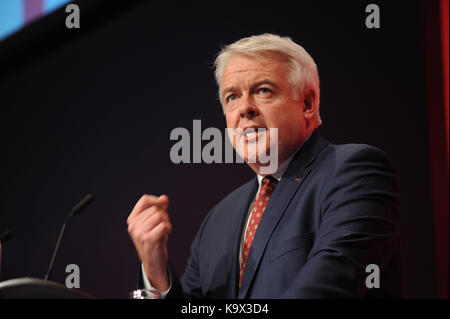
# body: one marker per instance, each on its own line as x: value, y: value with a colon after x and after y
x: 91, y: 110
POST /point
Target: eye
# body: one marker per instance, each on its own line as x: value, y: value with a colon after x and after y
x: 264, y: 91
x: 231, y: 98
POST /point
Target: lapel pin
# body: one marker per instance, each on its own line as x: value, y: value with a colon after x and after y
x: 298, y: 179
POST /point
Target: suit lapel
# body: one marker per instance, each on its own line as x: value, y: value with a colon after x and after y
x: 296, y: 173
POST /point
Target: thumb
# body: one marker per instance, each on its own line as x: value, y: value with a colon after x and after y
x: 163, y: 202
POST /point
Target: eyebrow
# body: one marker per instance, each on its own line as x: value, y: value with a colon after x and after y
x: 229, y: 89
x: 252, y: 87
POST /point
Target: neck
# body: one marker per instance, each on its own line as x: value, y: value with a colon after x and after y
x: 276, y: 167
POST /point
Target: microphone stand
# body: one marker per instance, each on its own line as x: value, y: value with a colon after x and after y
x: 58, y: 243
x: 75, y: 210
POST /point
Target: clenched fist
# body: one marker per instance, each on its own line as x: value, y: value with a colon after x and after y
x: 149, y: 228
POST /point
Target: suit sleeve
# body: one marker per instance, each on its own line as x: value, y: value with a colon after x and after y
x: 359, y: 226
x: 175, y: 291
x: 189, y: 286
x: 191, y: 280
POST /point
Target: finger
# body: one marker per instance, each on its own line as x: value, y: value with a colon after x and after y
x: 147, y: 213
x: 160, y: 231
x: 153, y: 222
x: 155, y: 210
x: 163, y: 202
x: 148, y: 219
x: 144, y: 202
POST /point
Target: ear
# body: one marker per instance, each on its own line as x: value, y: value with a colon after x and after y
x: 309, y: 102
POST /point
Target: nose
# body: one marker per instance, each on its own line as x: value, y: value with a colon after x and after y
x: 248, y: 109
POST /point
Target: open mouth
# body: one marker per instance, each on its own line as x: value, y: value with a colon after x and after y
x: 252, y: 134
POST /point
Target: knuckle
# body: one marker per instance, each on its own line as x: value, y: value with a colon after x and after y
x: 155, y: 221
x: 157, y: 235
x: 153, y: 210
x: 165, y: 229
x: 130, y: 229
x: 144, y: 239
x: 156, y: 217
x: 149, y: 238
x: 159, y: 218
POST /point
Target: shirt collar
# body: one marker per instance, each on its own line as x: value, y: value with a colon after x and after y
x: 283, y: 166
x: 281, y: 170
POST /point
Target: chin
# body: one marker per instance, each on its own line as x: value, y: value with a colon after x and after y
x: 252, y: 156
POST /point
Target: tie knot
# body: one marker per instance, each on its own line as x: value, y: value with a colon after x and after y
x: 269, y: 182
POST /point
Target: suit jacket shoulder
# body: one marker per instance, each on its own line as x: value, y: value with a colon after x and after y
x: 336, y: 208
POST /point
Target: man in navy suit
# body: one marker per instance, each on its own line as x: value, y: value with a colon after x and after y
x: 323, y: 224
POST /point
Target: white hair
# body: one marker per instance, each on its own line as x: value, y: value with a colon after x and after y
x: 303, y: 74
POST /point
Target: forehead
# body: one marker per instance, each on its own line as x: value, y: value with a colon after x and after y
x: 243, y: 68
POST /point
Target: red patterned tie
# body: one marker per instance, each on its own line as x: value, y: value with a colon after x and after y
x: 267, y: 188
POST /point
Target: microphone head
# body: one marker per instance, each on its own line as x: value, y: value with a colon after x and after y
x: 5, y: 236
x: 82, y: 204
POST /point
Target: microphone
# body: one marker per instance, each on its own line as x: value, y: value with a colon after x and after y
x: 74, y: 211
x: 5, y: 236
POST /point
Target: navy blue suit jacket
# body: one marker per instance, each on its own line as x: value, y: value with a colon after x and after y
x: 335, y: 211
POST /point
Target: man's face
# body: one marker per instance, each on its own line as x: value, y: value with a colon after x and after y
x: 256, y: 94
